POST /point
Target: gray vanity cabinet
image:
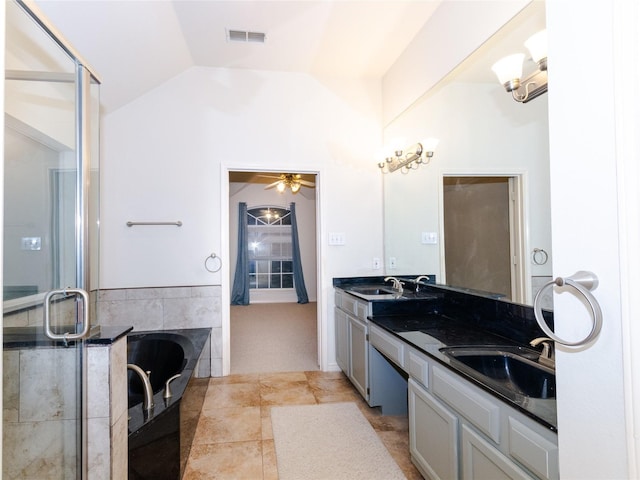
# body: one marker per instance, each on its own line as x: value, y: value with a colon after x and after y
x: 459, y: 431
x: 433, y: 435
x: 342, y: 340
x: 352, y: 340
x: 378, y: 381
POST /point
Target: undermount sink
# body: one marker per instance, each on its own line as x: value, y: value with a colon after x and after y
x: 513, y: 370
x: 373, y: 290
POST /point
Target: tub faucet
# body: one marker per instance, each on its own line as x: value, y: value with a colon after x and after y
x: 417, y: 281
x: 148, y: 391
x: 397, y: 284
x: 547, y: 357
x: 167, y: 386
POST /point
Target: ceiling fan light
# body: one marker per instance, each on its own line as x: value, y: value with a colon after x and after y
x: 295, y: 186
x: 280, y: 187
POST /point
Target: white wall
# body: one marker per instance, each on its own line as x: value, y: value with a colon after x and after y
x: 255, y: 195
x: 592, y: 415
x: 163, y: 155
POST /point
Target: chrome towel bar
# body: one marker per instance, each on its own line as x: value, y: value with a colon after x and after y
x: 177, y: 224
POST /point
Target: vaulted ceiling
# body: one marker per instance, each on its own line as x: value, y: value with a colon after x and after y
x: 134, y: 46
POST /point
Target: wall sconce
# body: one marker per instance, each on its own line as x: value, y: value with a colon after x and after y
x: 411, y: 159
x: 509, y: 70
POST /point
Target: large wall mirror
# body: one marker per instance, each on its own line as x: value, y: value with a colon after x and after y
x: 487, y: 141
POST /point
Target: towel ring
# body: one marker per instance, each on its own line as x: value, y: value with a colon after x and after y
x: 216, y: 265
x: 539, y: 256
x: 583, y: 283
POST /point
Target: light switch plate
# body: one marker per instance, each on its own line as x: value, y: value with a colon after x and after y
x: 337, y: 239
x: 429, y: 238
x: 31, y: 243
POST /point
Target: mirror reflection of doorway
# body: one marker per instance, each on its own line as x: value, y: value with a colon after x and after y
x: 274, y: 333
x: 483, y: 234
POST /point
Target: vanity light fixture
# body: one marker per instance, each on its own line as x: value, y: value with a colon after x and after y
x: 509, y: 70
x: 410, y: 159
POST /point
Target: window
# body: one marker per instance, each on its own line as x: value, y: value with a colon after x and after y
x: 270, y: 250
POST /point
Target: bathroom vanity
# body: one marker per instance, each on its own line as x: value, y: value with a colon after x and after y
x: 479, y: 403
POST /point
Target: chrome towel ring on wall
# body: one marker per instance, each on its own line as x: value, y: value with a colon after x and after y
x: 539, y: 256
x: 213, y: 263
x: 582, y: 282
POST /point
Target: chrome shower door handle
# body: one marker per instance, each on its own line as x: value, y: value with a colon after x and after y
x: 47, y: 314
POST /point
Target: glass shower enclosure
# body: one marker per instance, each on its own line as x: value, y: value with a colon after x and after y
x: 50, y: 228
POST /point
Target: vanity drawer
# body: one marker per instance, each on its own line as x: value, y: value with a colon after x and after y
x: 482, y: 412
x: 387, y: 344
x: 418, y: 366
x: 337, y: 298
x: 349, y: 304
x: 532, y: 450
x: 354, y: 307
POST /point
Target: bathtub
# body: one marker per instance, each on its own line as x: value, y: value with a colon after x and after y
x: 160, y: 440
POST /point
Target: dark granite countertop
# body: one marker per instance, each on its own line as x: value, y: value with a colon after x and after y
x: 431, y: 332
x: 34, y: 337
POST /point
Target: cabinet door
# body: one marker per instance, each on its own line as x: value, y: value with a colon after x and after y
x: 342, y: 340
x: 359, y: 359
x: 483, y: 461
x: 433, y: 435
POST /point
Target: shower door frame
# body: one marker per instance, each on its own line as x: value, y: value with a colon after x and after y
x: 83, y: 78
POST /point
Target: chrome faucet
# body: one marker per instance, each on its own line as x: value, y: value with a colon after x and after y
x: 548, y: 356
x: 417, y: 281
x: 148, y: 391
x: 397, y: 284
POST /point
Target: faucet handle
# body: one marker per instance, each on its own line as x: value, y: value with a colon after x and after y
x: 167, y: 386
x: 397, y: 284
x: 547, y: 357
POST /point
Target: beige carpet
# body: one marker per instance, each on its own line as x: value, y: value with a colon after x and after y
x: 329, y: 441
x: 274, y: 337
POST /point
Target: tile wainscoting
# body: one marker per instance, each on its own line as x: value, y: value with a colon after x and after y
x: 169, y: 308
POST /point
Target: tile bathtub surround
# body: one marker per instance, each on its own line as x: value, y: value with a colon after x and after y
x: 234, y: 438
x: 169, y: 308
x: 107, y: 410
x: 39, y: 408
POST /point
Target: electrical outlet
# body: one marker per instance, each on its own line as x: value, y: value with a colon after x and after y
x: 392, y: 262
x: 376, y: 263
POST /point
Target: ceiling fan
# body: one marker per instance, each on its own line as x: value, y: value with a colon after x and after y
x: 291, y: 180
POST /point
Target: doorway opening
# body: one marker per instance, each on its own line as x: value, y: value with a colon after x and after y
x: 274, y: 332
x: 483, y: 232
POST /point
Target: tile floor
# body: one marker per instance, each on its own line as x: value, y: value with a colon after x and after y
x: 234, y: 440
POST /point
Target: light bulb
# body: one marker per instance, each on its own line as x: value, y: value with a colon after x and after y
x: 396, y: 146
x: 295, y: 186
x: 537, y: 46
x: 430, y: 144
x: 280, y: 187
x: 509, y: 68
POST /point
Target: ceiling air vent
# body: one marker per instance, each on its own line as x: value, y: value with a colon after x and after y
x: 246, y: 37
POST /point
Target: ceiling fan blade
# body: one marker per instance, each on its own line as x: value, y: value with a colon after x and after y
x: 306, y: 183
x: 268, y: 176
x: 271, y: 185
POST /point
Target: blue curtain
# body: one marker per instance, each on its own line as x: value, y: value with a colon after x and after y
x: 240, y: 292
x: 298, y: 278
